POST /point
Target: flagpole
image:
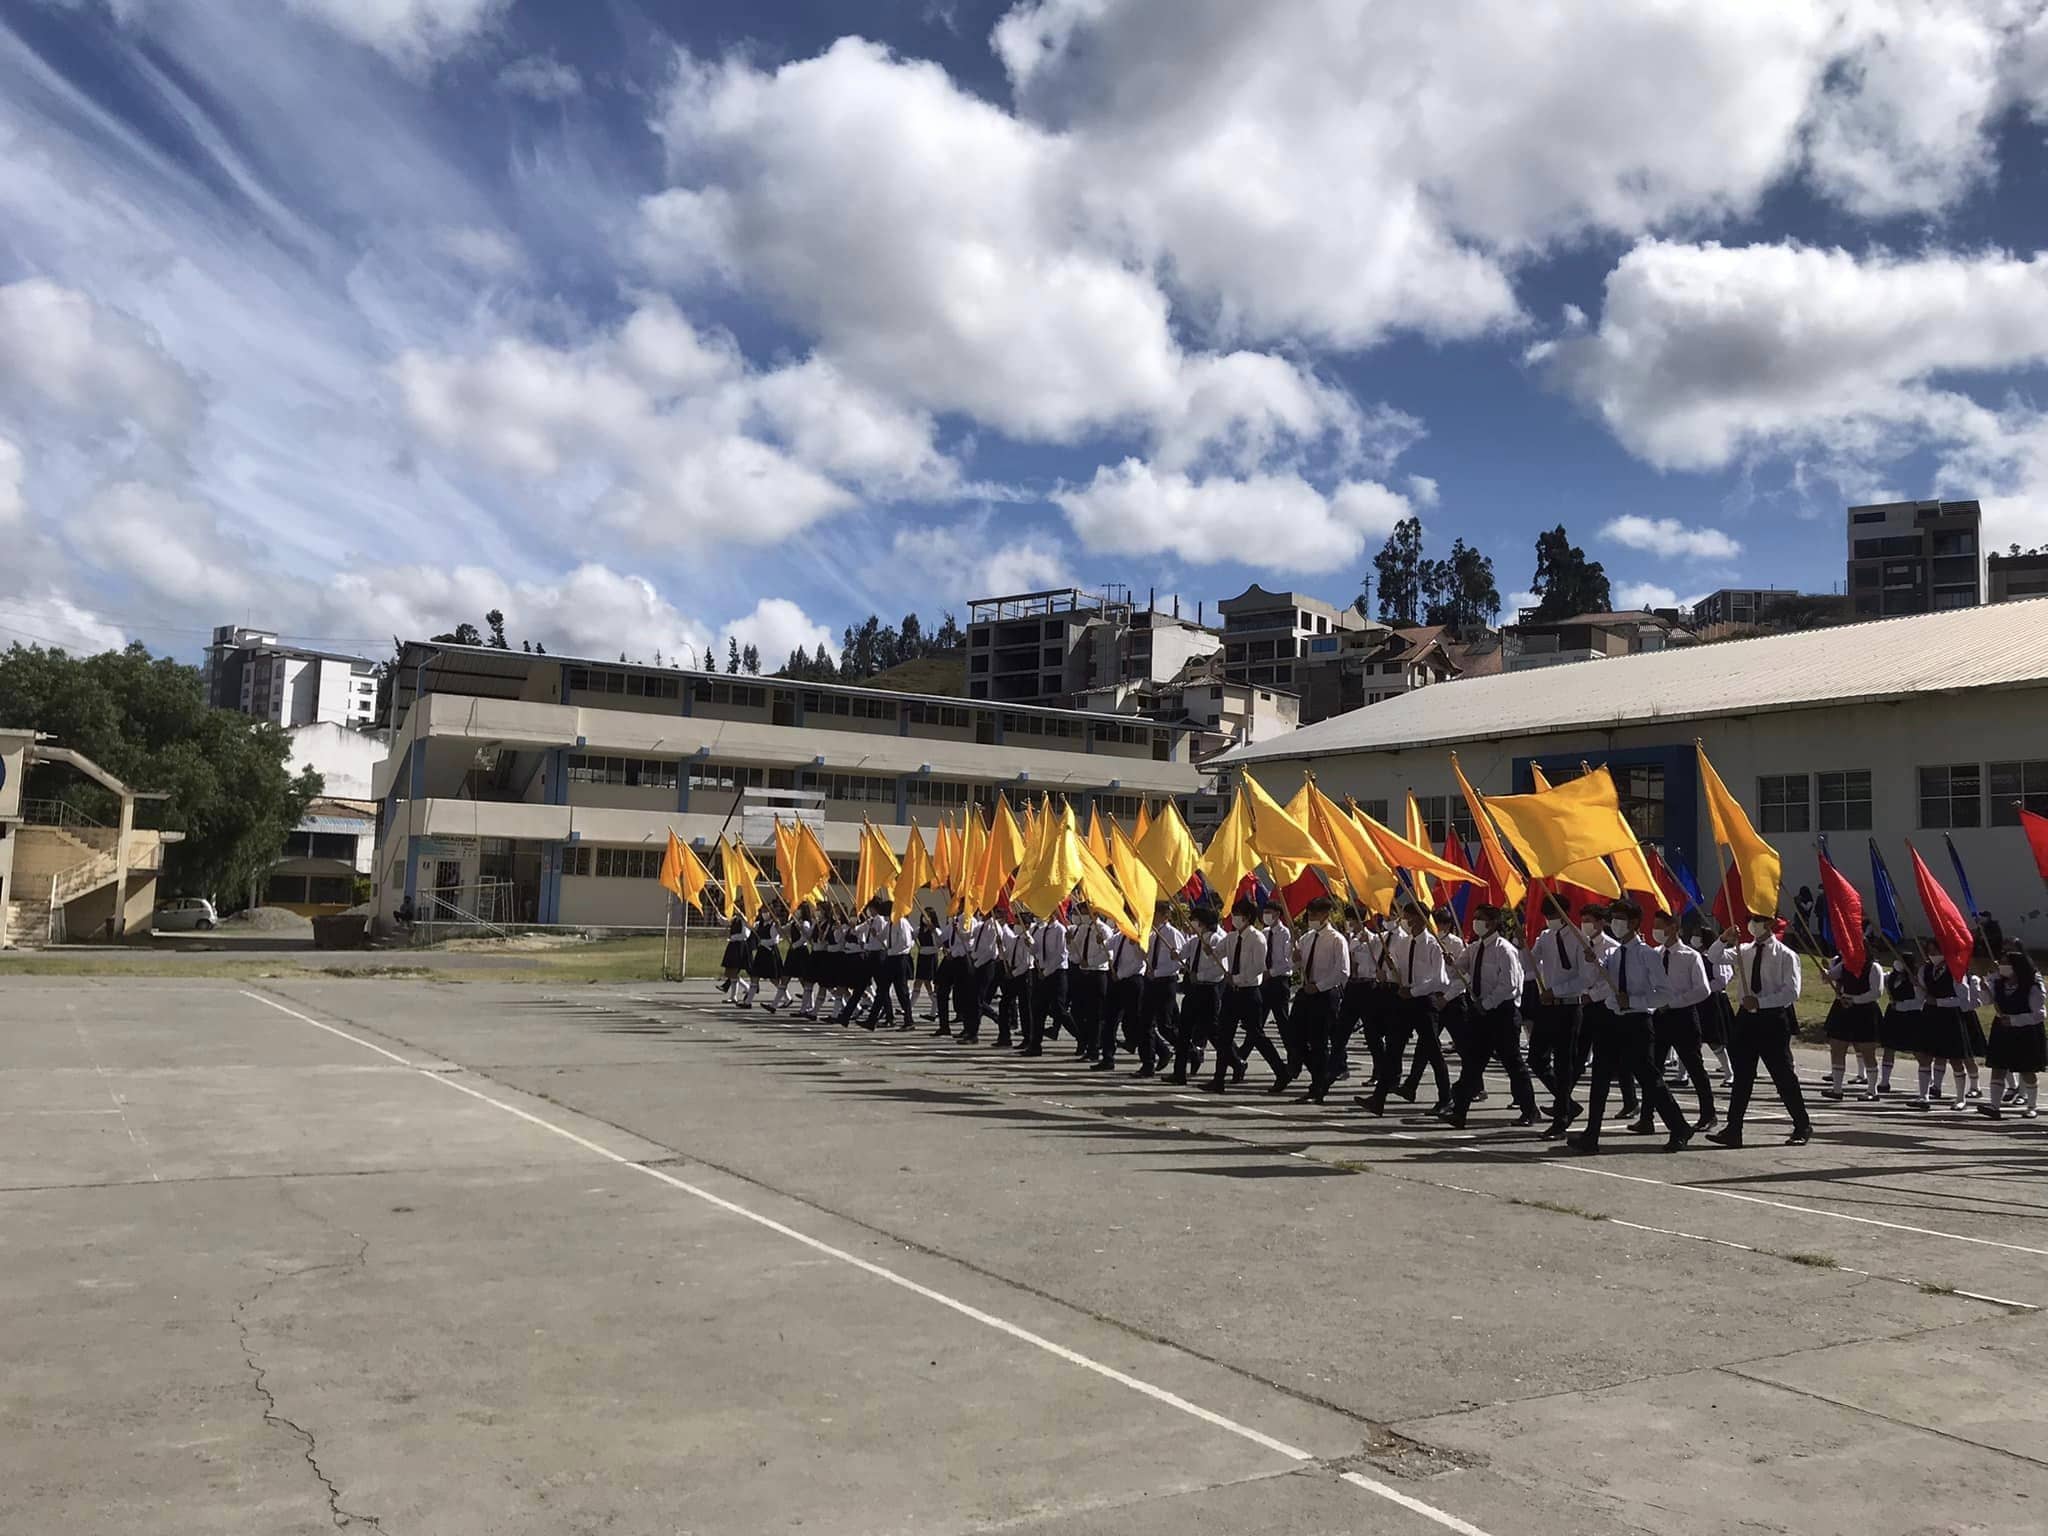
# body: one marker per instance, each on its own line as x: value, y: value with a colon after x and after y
x: 668, y: 915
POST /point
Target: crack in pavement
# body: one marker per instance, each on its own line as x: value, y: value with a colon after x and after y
x: 310, y: 1447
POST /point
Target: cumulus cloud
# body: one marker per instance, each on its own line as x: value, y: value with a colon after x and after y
x: 487, y: 252
x: 960, y: 561
x: 49, y: 618
x: 12, y: 503
x: 169, y: 542
x: 690, y: 444
x: 542, y: 78
x: 1669, y: 537
x: 776, y: 626
x: 413, y: 34
x: 60, y: 349
x: 1423, y: 491
x: 1276, y: 522
x: 1631, y: 595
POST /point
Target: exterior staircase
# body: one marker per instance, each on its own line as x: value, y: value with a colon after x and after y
x: 28, y: 924
x: 71, y: 861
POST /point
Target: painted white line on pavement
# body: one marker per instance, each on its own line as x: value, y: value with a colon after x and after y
x: 987, y: 1319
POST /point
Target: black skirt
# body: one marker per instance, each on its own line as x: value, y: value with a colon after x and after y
x: 1974, y: 1027
x: 1900, y: 1029
x: 2017, y: 1047
x: 1716, y: 1015
x: 798, y: 963
x: 927, y: 964
x: 735, y: 955
x: 1943, y: 1035
x: 766, y: 964
x: 1853, y: 1023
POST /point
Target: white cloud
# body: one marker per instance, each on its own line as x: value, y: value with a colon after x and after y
x: 1669, y: 537
x: 852, y: 432
x: 413, y: 34
x: 776, y: 627
x: 487, y: 252
x: 1630, y: 595
x: 1275, y: 522
x: 971, y: 558
x: 1423, y: 491
x: 544, y: 79
x: 51, y: 619
x: 169, y: 542
x: 1705, y: 353
x: 1513, y: 603
x: 11, y: 474
x: 59, y: 348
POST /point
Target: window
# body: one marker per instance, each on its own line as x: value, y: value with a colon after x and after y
x: 1376, y: 809
x: 1785, y: 802
x: 865, y: 787
x: 1951, y: 796
x: 1845, y: 800
x: 612, y: 863
x: 1867, y: 517
x: 1960, y: 542
x: 1040, y: 725
x: 739, y: 695
x: 633, y: 772
x: 952, y: 715
x: 705, y: 775
x: 2025, y: 782
x: 1880, y: 549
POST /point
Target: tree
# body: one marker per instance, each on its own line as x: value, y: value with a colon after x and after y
x: 539, y: 649
x: 145, y: 720
x: 461, y: 634
x: 732, y: 655
x: 1462, y: 593
x: 495, y: 622
x: 750, y: 661
x: 948, y: 636
x: 1566, y: 582
x: 1399, y: 566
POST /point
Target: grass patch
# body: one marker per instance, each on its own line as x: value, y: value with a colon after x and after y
x: 1936, y: 1288
x: 1810, y: 1260
x: 1559, y: 1208
x: 605, y: 960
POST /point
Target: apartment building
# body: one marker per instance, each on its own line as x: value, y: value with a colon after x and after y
x: 543, y: 788
x: 1915, y: 557
x: 252, y: 671
x: 2011, y: 577
x: 1049, y: 648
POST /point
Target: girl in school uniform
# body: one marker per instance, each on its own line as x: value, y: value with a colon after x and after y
x: 738, y: 935
x: 1717, y: 1014
x: 764, y: 959
x: 2017, y: 1048
x: 925, y: 977
x: 1899, y: 1030
x: 797, y: 974
x: 1853, y: 1023
x: 1944, y: 1037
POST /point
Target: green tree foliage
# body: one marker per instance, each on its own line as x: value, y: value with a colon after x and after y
x: 1399, y: 567
x: 145, y: 720
x: 1566, y: 582
x: 1459, y: 591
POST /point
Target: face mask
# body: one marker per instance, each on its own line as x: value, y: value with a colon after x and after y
x: 1269, y: 919
x: 1759, y: 927
x: 1238, y: 923
x: 2005, y: 973
x: 1481, y: 928
x: 1618, y: 926
x: 1664, y: 935
x: 1554, y: 924
x: 1590, y: 928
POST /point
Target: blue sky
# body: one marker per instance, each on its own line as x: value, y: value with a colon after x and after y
x: 655, y: 323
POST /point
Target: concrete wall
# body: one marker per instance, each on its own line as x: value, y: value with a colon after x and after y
x: 1891, y: 740
x: 13, y: 771
x: 345, y: 759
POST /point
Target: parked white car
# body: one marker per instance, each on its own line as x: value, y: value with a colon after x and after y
x: 187, y: 914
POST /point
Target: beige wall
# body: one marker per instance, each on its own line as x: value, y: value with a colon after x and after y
x: 13, y: 766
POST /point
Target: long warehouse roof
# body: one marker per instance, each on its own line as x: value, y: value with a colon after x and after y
x: 1998, y: 646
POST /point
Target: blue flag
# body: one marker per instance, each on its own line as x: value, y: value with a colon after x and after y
x: 1461, y: 902
x: 1962, y: 879
x: 1888, y: 922
x: 1686, y: 882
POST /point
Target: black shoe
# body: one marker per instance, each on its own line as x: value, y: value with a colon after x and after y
x: 1102, y: 1066
x: 942, y: 1033
x: 1279, y: 1084
x: 1727, y: 1136
x: 1562, y: 1121
x: 1406, y: 1093
x: 1641, y: 1127
x: 1801, y: 1135
x: 1679, y: 1138
x: 1455, y: 1119
x: 1706, y: 1123
x: 1374, y: 1105
x: 1031, y: 1050
x: 1214, y: 1085
x: 1146, y: 1072
x: 1582, y: 1144
x: 1440, y: 1108
x: 1528, y: 1117
x: 1178, y: 1079
x: 1237, y: 1071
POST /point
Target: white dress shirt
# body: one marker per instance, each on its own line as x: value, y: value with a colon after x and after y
x: 1088, y: 945
x: 1776, y: 985
x: 1325, y: 961
x: 1454, y: 968
x: 1598, y: 988
x: 898, y: 937
x: 1130, y: 958
x: 1720, y: 965
x: 1052, y: 947
x: 874, y: 933
x: 960, y: 936
x: 1685, y: 976
x: 1635, y: 976
x: 1246, y: 964
x: 1209, y: 954
x: 988, y: 940
x: 1561, y: 965
x: 1418, y: 961
x: 1021, y: 952
x: 1871, y: 992
x: 1493, y: 972
x: 1279, y: 950
x: 1162, y: 960
x: 1365, y: 954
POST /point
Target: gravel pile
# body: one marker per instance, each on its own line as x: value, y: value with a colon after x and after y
x: 268, y: 920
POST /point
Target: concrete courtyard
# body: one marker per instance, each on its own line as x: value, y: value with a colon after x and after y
x: 427, y: 1257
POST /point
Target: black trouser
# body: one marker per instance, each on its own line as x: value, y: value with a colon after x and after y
x: 1315, y: 1020
x: 1246, y: 1006
x: 1421, y: 1023
x: 1088, y: 996
x: 1155, y: 1018
x: 1276, y: 993
x: 1125, y: 1011
x: 1458, y: 1016
x: 1593, y: 1022
x: 892, y: 973
x: 1678, y: 1029
x: 1495, y: 1035
x: 978, y: 997
x: 1355, y: 1009
x: 1553, y: 1039
x: 1622, y: 1048
x: 1016, y: 1006
x: 947, y: 991
x: 1198, y: 1012
x: 1764, y: 1035
x: 1048, y: 997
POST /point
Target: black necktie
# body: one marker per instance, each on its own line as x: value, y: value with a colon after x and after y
x: 1308, y: 960
x: 1756, y: 969
x: 1237, y: 955
x: 1413, y: 943
x: 1624, y: 975
x: 1564, y: 956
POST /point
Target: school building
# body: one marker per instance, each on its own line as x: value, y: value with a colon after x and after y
x: 542, y: 789
x: 1914, y: 727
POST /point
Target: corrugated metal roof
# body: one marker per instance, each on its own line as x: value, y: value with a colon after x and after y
x: 1999, y: 646
x: 354, y: 826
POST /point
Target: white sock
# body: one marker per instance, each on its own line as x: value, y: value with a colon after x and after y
x: 2033, y: 1091
x: 1727, y: 1066
x: 1884, y: 1071
x: 1924, y: 1075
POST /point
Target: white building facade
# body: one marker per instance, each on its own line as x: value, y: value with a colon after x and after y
x: 543, y: 789
x: 250, y: 670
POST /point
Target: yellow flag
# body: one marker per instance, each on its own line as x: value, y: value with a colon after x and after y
x: 973, y: 856
x: 1594, y: 875
x: 1499, y: 867
x: 1098, y: 843
x: 1555, y: 829
x: 1168, y: 849
x: 1283, y: 843
x: 878, y: 864
x: 1051, y: 871
x: 946, y: 855
x: 1402, y: 853
x: 1365, y: 871
x: 1005, y: 853
x: 741, y: 894
x: 1762, y: 870
x: 1140, y: 890
x: 915, y: 875
x: 1286, y: 871
x: 1107, y: 897
x: 684, y: 874
x: 1229, y: 856
x: 1418, y: 834
x: 1142, y: 825
x: 785, y: 864
x: 813, y: 863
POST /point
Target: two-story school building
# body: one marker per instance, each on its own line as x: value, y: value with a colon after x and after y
x: 542, y: 789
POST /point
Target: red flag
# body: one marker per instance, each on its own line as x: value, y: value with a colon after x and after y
x: 1306, y: 888
x: 1730, y: 909
x: 2036, y: 828
x: 1951, y: 932
x: 1845, y: 916
x: 1674, y: 893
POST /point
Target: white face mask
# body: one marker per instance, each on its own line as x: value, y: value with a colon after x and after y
x: 1759, y: 927
x: 1590, y: 928
x: 1554, y: 924
x: 1665, y: 935
x: 1618, y: 926
x: 1238, y: 922
x: 1481, y: 927
x: 1269, y: 919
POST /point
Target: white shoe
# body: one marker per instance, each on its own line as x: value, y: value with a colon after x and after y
x: 1870, y: 1097
x: 1960, y: 1104
x: 2030, y: 1113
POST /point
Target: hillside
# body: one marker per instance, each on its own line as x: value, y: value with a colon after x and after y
x: 944, y: 674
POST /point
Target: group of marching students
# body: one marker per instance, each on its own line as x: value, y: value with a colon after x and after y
x: 1595, y: 1001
